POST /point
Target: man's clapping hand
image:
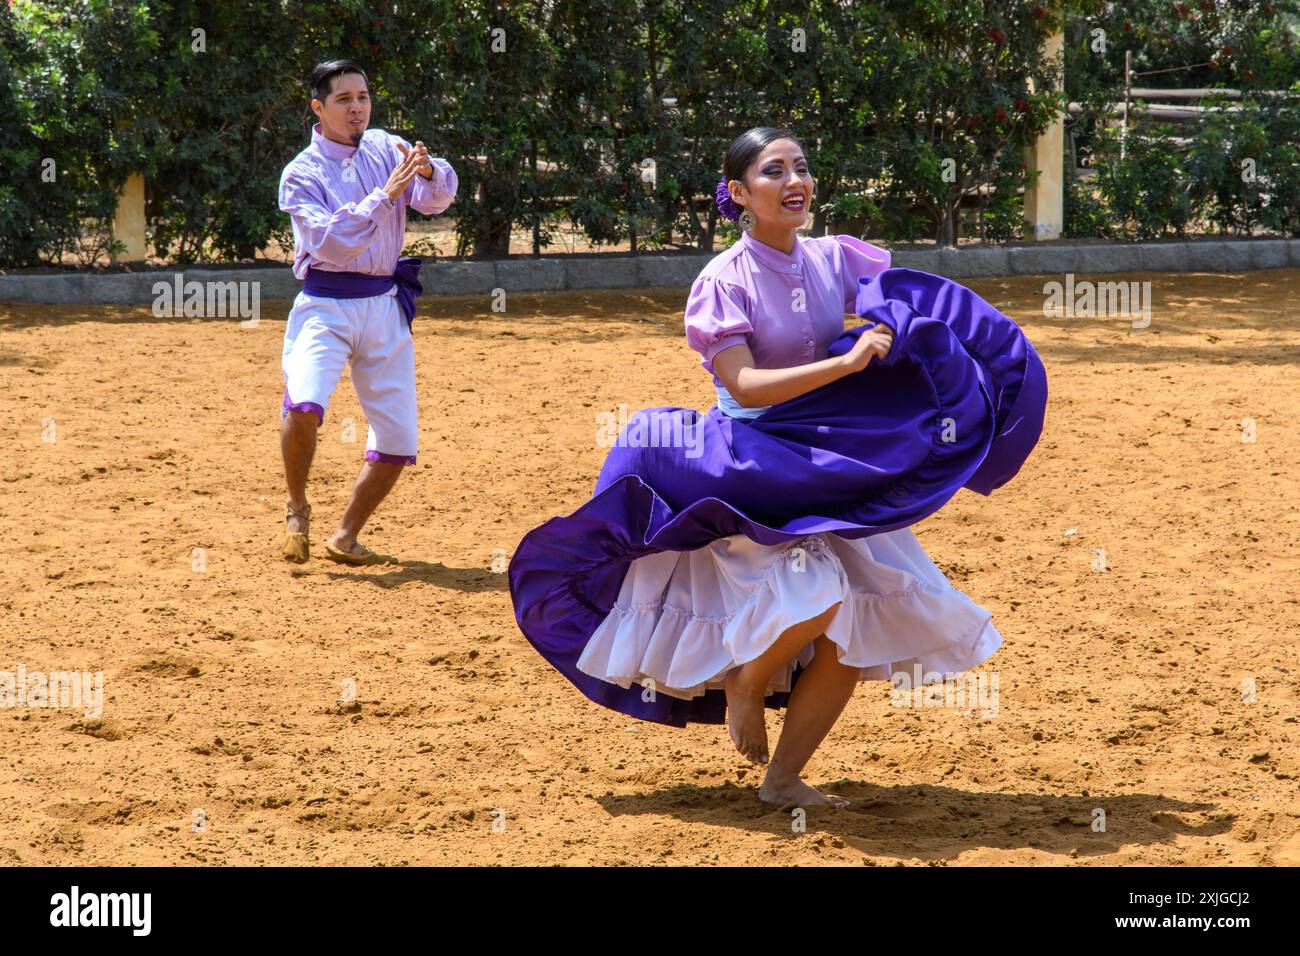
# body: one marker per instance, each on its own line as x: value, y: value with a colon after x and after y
x: 426, y: 167
x: 415, y: 161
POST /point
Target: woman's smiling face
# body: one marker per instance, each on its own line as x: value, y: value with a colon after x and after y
x: 778, y: 187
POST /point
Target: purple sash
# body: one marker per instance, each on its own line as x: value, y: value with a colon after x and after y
x: 358, y: 285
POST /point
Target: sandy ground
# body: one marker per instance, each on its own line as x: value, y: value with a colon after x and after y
x: 1120, y: 689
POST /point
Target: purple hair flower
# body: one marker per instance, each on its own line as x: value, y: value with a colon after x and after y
x: 726, y: 205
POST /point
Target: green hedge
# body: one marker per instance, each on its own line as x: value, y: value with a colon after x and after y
x: 1241, y: 172
x: 903, y: 106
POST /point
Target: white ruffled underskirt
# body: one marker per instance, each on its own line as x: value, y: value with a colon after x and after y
x: 685, y: 618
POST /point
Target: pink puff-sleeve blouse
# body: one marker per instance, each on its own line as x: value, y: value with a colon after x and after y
x: 786, y: 308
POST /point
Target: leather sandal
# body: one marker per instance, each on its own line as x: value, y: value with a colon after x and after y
x: 297, y: 547
x: 362, y: 556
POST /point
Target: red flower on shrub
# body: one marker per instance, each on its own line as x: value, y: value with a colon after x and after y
x: 1000, y: 115
x: 1038, y: 12
x: 997, y: 36
x: 1128, y: 26
x: 1022, y: 105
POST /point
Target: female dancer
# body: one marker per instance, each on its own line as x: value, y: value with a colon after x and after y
x: 777, y: 568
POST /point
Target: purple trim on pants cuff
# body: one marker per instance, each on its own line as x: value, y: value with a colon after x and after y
x: 312, y: 407
x: 372, y: 455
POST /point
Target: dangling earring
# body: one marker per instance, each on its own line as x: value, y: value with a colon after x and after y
x: 746, y: 221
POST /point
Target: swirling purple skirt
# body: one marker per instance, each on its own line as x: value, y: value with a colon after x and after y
x: 958, y: 402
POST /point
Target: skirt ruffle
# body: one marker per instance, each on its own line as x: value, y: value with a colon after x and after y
x: 683, y: 619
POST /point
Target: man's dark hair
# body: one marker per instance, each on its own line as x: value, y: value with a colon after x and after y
x: 322, y: 78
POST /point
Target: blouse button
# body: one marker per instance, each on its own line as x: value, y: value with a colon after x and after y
x: 794, y: 266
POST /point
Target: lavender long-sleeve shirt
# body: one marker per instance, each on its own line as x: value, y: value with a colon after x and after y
x: 343, y: 221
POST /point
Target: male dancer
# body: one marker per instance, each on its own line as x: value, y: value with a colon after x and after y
x: 346, y: 194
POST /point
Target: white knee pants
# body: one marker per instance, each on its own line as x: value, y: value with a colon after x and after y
x: 322, y: 335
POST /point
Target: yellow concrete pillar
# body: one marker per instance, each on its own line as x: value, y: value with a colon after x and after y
x: 1045, y: 202
x: 128, y: 221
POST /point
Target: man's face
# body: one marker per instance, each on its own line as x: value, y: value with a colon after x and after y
x: 345, y: 114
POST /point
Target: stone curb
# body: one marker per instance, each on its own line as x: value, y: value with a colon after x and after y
x: 618, y: 272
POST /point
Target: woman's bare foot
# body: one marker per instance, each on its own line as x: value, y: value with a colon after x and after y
x: 783, y: 793
x: 745, y: 720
